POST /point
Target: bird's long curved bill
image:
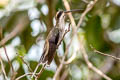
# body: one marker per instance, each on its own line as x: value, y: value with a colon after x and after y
x: 75, y: 10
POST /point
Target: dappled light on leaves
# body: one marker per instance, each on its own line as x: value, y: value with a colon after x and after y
x: 81, y: 45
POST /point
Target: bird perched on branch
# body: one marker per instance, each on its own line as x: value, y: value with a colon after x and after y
x: 54, y: 39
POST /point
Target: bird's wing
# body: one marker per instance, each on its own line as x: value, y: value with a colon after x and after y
x: 46, y: 48
x: 45, y: 51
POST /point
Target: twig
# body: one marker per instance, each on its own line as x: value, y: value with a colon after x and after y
x: 41, y: 70
x: 2, y: 67
x: 105, y: 68
x: 96, y: 51
x: 71, y: 58
x: 66, y: 31
x: 14, y: 73
x: 24, y: 76
x: 108, y: 62
x: 66, y: 4
x: 82, y: 49
x: 19, y: 27
x: 90, y: 65
x: 59, y: 69
x: 59, y: 42
x: 64, y: 75
x: 62, y: 63
x: 88, y: 8
x: 8, y: 58
x: 74, y: 32
x: 35, y: 70
x: 21, y: 57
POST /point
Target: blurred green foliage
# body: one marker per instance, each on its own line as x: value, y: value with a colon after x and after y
x: 97, y: 27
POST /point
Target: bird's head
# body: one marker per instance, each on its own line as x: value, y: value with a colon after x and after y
x: 61, y: 15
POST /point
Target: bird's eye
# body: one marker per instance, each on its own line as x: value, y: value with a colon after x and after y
x: 59, y: 14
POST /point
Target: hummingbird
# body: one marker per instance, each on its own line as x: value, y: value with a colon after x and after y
x: 53, y: 40
x: 54, y: 37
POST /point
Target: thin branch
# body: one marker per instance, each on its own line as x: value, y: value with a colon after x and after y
x: 8, y: 59
x: 90, y: 65
x: 64, y: 75
x: 66, y: 31
x: 18, y: 78
x: 62, y: 63
x: 59, y: 42
x: 67, y: 6
x: 71, y: 58
x: 105, y: 68
x: 2, y: 67
x: 21, y: 57
x: 88, y: 8
x: 82, y: 49
x: 108, y: 62
x: 35, y: 70
x: 96, y: 51
x: 14, y: 73
x: 19, y: 27
x: 41, y: 70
